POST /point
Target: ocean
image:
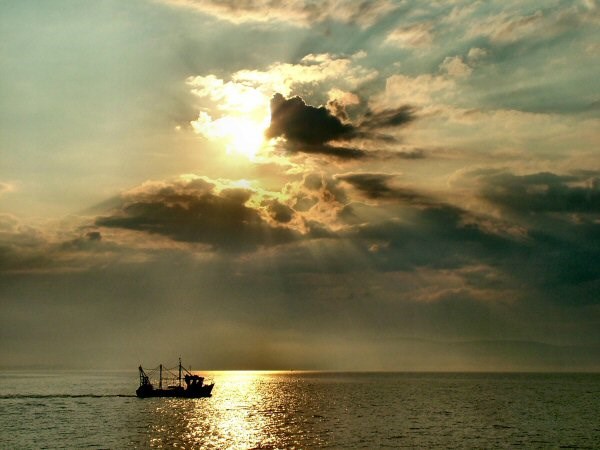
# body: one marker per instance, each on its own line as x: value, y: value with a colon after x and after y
x: 280, y: 410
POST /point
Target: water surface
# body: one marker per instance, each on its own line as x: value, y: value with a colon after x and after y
x: 304, y: 410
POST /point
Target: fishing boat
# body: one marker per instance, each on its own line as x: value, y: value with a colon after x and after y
x: 194, y: 384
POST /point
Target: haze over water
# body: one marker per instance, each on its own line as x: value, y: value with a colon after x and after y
x: 304, y: 410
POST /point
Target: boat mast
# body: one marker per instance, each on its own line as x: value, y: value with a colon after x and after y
x: 160, y: 378
x: 143, y: 377
x: 180, y: 371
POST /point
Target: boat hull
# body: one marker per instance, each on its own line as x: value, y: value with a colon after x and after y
x: 177, y: 392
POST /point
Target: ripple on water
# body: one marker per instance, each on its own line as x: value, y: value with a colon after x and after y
x: 305, y: 410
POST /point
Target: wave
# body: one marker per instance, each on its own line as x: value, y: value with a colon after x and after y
x: 25, y: 396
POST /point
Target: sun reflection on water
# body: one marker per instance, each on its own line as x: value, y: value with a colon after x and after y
x: 242, y: 413
x: 237, y: 425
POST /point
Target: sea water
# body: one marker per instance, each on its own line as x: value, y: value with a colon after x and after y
x: 303, y: 410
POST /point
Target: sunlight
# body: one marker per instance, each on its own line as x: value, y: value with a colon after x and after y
x: 242, y: 116
x: 235, y: 421
x: 242, y: 136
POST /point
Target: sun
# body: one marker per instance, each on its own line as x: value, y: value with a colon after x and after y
x: 240, y: 124
x: 242, y: 136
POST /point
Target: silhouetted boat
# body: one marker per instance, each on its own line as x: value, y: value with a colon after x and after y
x: 194, y: 384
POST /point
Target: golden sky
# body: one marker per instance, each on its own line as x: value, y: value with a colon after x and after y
x: 335, y: 185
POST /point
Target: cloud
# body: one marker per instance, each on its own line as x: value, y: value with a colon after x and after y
x: 556, y: 268
x: 312, y: 68
x: 301, y: 123
x: 354, y: 153
x: 312, y: 129
x: 295, y: 12
x: 247, y: 89
x: 411, y: 265
x: 406, y: 229
x: 405, y: 152
x: 422, y: 90
x: 47, y: 248
x: 387, y: 118
x: 335, y: 151
x: 455, y: 67
x: 560, y: 218
x: 507, y: 28
x: 337, y: 241
x: 377, y: 186
x: 421, y: 233
x: 541, y: 192
x: 450, y: 112
x: 391, y: 227
x: 339, y: 100
x: 279, y: 212
x: 21, y: 246
x: 400, y: 213
x: 240, y: 110
x: 228, y: 95
x: 416, y: 35
x: 196, y: 210
x: 6, y: 188
x: 235, y: 112
x: 476, y: 53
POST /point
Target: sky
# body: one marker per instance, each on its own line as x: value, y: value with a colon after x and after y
x: 299, y: 184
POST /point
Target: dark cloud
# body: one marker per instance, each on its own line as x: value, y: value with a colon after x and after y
x: 305, y: 124
x: 25, y: 249
x: 434, y: 237
x: 313, y: 181
x: 338, y: 109
x: 311, y: 129
x: 345, y: 153
x: 304, y: 202
x: 279, y: 212
x: 196, y: 212
x: 388, y: 118
x: 558, y: 260
x: 376, y: 186
x: 415, y: 153
x: 93, y: 236
x: 89, y: 241
x: 414, y: 265
x: 409, y: 230
x: 405, y: 230
x: 353, y: 153
x: 327, y: 188
x: 541, y: 192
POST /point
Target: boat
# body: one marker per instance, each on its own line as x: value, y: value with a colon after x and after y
x: 194, y: 384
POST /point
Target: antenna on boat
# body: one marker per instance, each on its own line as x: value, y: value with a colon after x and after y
x: 180, y: 371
